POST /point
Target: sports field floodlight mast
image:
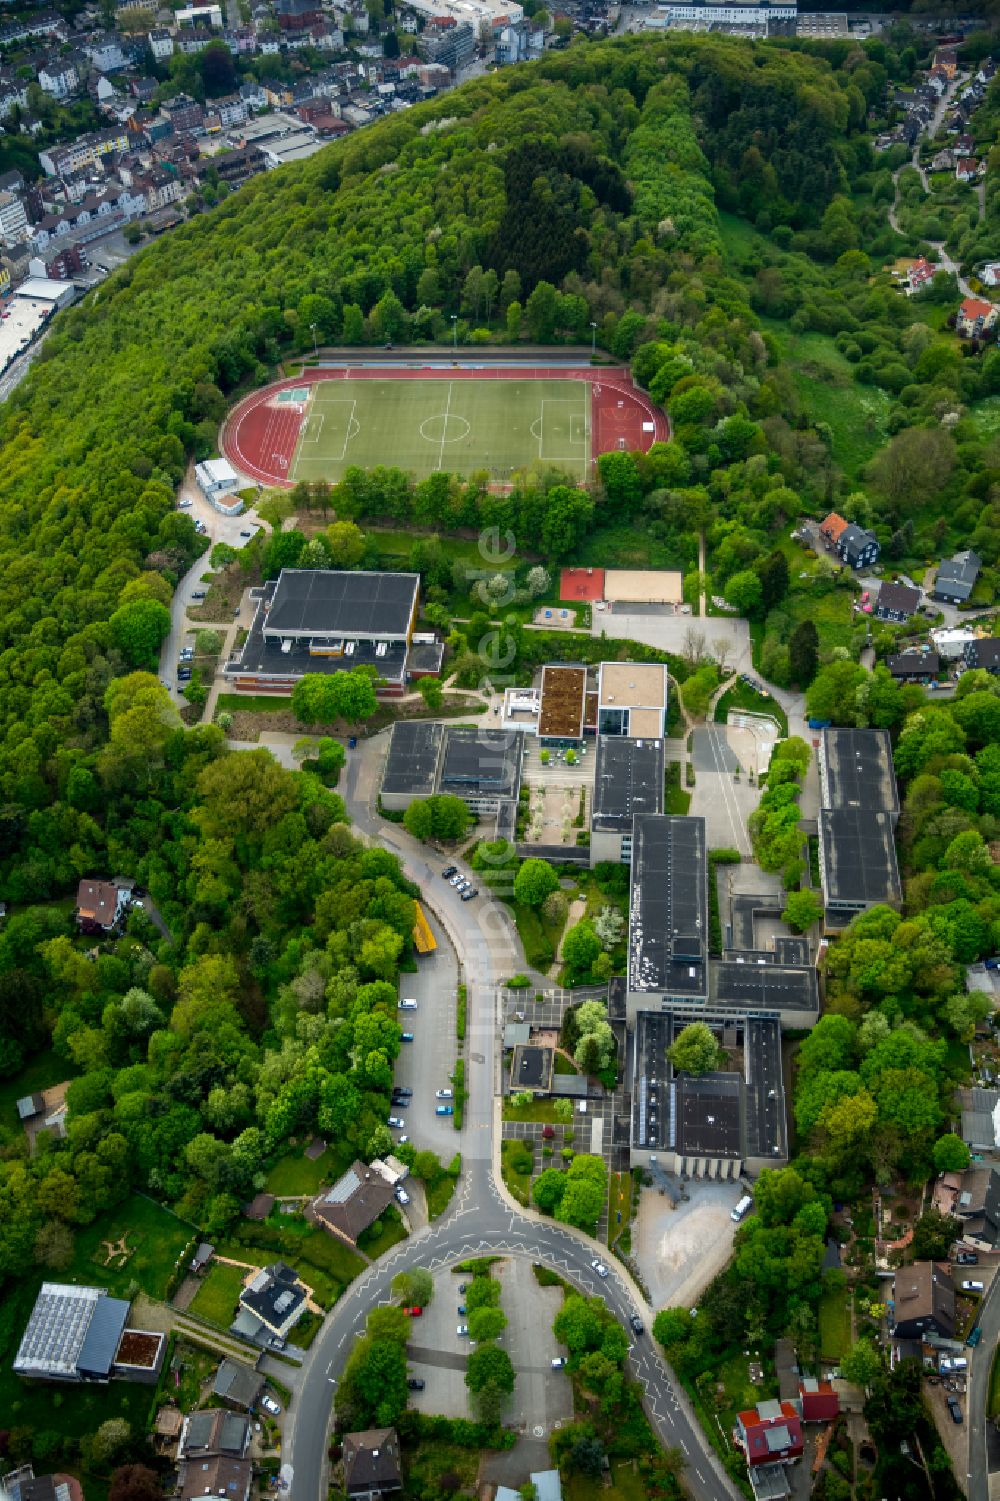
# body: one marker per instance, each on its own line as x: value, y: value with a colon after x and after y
x: 315, y: 343
x: 593, y: 340
x: 454, y: 330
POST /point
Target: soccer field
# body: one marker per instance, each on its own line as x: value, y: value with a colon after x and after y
x: 428, y: 425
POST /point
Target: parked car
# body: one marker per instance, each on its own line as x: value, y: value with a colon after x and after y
x: 598, y: 1266
x: 462, y: 1310
x: 954, y: 1409
x: 444, y: 1094
x: 972, y: 1287
x: 637, y: 1325
x: 967, y: 1258
x: 415, y: 1311
x: 408, y: 1004
x: 403, y: 1090
x: 406, y: 1036
x: 469, y: 894
x: 463, y: 1287
x: 975, y: 1335
x: 183, y: 674
x: 416, y: 1384
x: 184, y: 504
x: 463, y: 1331
x: 198, y: 594
x: 398, y: 1122
x: 449, y: 871
x: 559, y: 1362
x: 402, y: 1197
x: 444, y: 1110
x: 247, y: 533
x: 270, y: 1405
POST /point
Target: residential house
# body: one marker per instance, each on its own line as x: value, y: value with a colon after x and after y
x: 956, y: 577
x: 943, y: 161
x: 199, y: 15
x: 23, y: 1484
x: 896, y: 602
x: 976, y: 317
x: 984, y: 652
x: 161, y: 44
x: 946, y: 58
x: 353, y: 1203
x: 184, y: 113
x: 857, y: 547
x: 59, y: 77
x: 914, y: 666
x: 832, y: 528
x: 924, y: 1301
x: 276, y: 93
x: 770, y: 1433
x: 980, y: 1112
x: 105, y: 52
x: 966, y: 169
x: 989, y: 276
x: 193, y: 38
x: 253, y: 95
x: 238, y: 1384
x: 372, y: 1464
x: 101, y: 905
x: 213, y: 1456
x: 231, y: 110
x: 270, y: 1305
x: 86, y: 151
x: 13, y: 219
x: 920, y: 274
x: 818, y: 1401
x: 13, y: 92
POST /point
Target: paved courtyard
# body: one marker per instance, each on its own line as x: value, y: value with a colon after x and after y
x: 724, y: 802
x: 680, y: 1250
x: 659, y: 627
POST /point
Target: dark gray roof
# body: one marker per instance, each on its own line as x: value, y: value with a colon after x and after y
x: 984, y: 653
x: 957, y: 576
x: 324, y: 602
x: 628, y: 779
x: 275, y: 1296
x: 760, y: 983
x: 858, y: 856
x: 914, y: 664
x: 236, y: 1382
x: 856, y: 770
x: 485, y: 761
x: 668, y: 909
x: 899, y: 598
x: 97, y: 1355
x: 854, y: 539
x: 412, y: 758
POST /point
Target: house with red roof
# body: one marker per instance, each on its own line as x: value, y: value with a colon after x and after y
x: 976, y: 317
x: 832, y: 527
x: 770, y: 1433
x: 967, y: 169
x: 920, y: 274
x: 818, y: 1400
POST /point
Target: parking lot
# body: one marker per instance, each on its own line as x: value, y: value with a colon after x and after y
x: 425, y: 1063
x: 542, y: 1398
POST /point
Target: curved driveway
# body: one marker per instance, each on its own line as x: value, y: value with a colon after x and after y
x: 482, y: 1219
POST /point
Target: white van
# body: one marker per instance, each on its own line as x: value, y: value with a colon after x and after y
x: 742, y: 1209
x: 953, y: 1363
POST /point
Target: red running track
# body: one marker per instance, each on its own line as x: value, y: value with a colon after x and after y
x: 260, y: 435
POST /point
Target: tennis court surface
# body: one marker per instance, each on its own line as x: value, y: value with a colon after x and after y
x: 458, y: 421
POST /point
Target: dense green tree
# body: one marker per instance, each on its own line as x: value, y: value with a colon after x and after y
x: 694, y: 1049
x: 534, y: 882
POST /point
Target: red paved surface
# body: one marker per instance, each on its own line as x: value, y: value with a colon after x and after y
x: 260, y: 435
x: 581, y: 584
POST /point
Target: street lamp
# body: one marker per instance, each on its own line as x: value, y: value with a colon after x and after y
x: 593, y: 341
x: 454, y: 330
x: 315, y: 344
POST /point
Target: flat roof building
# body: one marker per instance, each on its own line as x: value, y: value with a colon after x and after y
x: 760, y: 981
x: 632, y: 699
x: 628, y: 780
x: 859, y: 806
x: 481, y: 766
x: 72, y: 1335
x: 328, y: 620
x: 563, y: 703
x: 718, y: 1124
x: 643, y: 586
x: 668, y: 911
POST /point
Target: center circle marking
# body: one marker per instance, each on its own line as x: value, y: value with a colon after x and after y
x: 444, y: 428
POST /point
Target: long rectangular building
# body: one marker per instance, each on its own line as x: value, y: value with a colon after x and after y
x: 628, y: 780
x: 859, y: 806
x: 668, y: 912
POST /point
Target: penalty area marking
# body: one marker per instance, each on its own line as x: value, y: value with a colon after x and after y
x: 575, y: 416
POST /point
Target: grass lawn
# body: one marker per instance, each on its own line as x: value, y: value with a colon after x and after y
x: 827, y: 607
x: 856, y: 415
x: 430, y: 1459
x: 740, y: 1392
x: 218, y: 1295
x: 835, y: 1324
x: 538, y: 1110
x: 325, y: 1264
x: 154, y: 1236
x: 749, y: 701
x: 678, y: 800
x: 986, y: 415
x: 519, y: 1183
x: 439, y: 1195
x: 41, y: 1072
x: 294, y: 1173
x: 626, y: 1485
x: 464, y: 426
x: 253, y: 703
x: 538, y: 938
x: 383, y: 1235
x: 628, y: 547
x: 399, y: 543
x: 619, y: 1203
x: 564, y: 1065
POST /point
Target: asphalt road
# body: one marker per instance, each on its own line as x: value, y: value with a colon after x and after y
x: 425, y: 1064
x: 984, y: 1441
x: 218, y: 528
x: 480, y: 1219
